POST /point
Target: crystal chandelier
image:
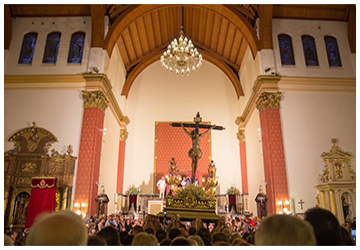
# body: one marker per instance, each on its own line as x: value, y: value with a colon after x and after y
x: 181, y: 57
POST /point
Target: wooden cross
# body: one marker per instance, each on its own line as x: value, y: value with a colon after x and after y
x: 301, y: 203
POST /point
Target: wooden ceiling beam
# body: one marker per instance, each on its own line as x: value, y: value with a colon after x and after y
x: 352, y: 28
x: 50, y: 10
x: 7, y: 26
x: 265, y: 27
x: 97, y: 25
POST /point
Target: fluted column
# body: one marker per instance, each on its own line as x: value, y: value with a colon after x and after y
x: 268, y: 105
x: 121, y: 161
x: 88, y: 168
x: 332, y: 202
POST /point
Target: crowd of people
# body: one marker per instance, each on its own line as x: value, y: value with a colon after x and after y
x: 64, y: 227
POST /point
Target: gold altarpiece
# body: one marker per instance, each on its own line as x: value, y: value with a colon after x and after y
x: 30, y: 158
x: 337, y: 184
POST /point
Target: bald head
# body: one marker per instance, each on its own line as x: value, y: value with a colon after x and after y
x: 61, y: 228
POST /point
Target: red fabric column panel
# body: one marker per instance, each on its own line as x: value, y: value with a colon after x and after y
x: 274, y: 158
x: 174, y: 142
x: 42, y: 198
x: 244, y: 178
x: 89, y: 158
x: 120, y: 172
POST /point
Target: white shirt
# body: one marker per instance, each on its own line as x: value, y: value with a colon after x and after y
x: 161, y: 184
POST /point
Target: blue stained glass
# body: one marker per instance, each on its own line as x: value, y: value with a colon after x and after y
x: 28, y: 48
x: 332, y: 51
x: 286, y: 50
x: 76, y: 47
x: 52, y: 47
x: 310, y: 53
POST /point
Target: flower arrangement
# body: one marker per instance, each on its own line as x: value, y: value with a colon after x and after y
x: 233, y: 190
x: 132, y: 190
x: 191, y: 191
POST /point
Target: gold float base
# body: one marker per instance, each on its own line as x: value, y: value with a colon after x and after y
x: 190, y: 213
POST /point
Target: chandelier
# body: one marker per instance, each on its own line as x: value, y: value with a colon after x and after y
x: 181, y: 57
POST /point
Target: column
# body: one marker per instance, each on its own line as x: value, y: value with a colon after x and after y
x: 244, y: 178
x: 121, y: 161
x: 88, y: 168
x: 268, y: 105
x: 332, y: 202
x: 322, y: 200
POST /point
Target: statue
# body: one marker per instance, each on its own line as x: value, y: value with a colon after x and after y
x: 195, y: 152
x: 261, y: 200
x: 173, y: 171
x: 345, y: 207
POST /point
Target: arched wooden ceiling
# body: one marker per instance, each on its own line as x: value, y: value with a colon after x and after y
x: 215, y: 29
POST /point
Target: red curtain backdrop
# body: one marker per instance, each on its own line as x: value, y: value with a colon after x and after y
x: 42, y: 198
x: 174, y: 142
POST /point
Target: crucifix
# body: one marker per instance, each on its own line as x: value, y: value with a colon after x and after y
x: 195, y: 152
x: 301, y: 203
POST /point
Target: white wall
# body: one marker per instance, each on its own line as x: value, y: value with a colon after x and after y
x: 109, y: 157
x: 309, y: 121
x: 43, y: 26
x: 316, y: 29
x: 116, y: 73
x: 60, y: 112
x: 254, y: 160
x: 158, y: 96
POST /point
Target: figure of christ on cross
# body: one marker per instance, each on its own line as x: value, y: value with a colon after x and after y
x: 195, y: 152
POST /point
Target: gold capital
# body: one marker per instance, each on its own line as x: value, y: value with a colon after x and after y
x: 123, y: 135
x: 95, y: 99
x: 268, y: 100
x: 241, y: 135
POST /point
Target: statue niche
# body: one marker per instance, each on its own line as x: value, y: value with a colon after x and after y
x: 30, y: 158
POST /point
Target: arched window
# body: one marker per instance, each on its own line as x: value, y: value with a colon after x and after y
x: 76, y: 47
x: 310, y: 52
x: 286, y: 50
x: 28, y: 48
x: 52, y: 47
x: 332, y: 51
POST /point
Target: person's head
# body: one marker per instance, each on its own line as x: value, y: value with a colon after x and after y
x: 180, y: 241
x: 149, y: 230
x: 220, y: 237
x: 161, y: 235
x: 192, y: 242
x: 198, y: 239
x: 284, y: 230
x: 326, y: 226
x: 204, y: 233
x: 221, y: 243
x: 346, y: 239
x: 122, y: 236
x: 128, y: 240
x: 192, y: 230
x: 175, y: 232
x: 61, y: 228
x: 137, y: 229
x: 162, y: 178
x: 165, y: 242
x: 96, y: 241
x: 8, y: 241
x: 143, y: 239
x: 110, y: 235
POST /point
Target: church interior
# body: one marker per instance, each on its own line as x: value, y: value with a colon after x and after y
x: 92, y: 93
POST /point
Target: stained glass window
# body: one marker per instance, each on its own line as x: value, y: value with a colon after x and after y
x: 332, y: 51
x: 28, y: 48
x: 310, y: 52
x: 52, y: 47
x: 76, y: 47
x: 286, y: 50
